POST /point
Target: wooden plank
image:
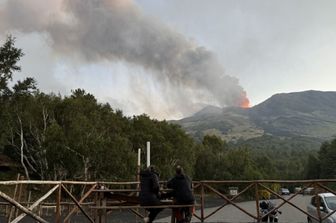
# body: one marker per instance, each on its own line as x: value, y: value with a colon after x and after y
x: 232, y: 203
x: 126, y: 190
x: 24, y: 209
x: 76, y: 202
x: 136, y: 212
x: 290, y: 203
x: 97, y: 203
x: 104, y: 212
x: 35, y: 204
x: 135, y: 182
x: 116, y: 190
x: 232, y: 199
x: 292, y: 196
x: 123, y: 197
x: 18, y: 199
x: 145, y: 207
x: 202, y: 202
x: 58, y: 204
x: 12, y: 209
x: 268, y: 181
x: 257, y: 202
x: 39, y: 182
x: 88, y: 193
x: 119, y: 183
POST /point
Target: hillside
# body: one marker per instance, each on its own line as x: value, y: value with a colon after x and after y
x: 305, y: 115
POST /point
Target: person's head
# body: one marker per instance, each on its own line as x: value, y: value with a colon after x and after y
x: 151, y: 168
x: 178, y: 170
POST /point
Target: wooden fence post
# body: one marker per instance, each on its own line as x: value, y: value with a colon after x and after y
x: 257, y: 201
x: 58, y: 203
x: 202, y: 202
x: 13, y: 208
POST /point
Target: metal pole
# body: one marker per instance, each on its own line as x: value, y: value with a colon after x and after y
x: 148, y: 154
x: 139, y: 165
x: 138, y: 178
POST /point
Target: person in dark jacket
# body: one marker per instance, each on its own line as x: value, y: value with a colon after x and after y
x: 182, y: 193
x: 150, y: 192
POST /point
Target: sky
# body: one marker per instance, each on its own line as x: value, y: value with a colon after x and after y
x: 268, y: 47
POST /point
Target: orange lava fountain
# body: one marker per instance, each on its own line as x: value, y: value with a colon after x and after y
x: 245, y: 102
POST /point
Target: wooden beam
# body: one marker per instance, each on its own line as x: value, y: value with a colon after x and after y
x: 202, y: 201
x: 39, y: 182
x: 257, y: 201
x: 78, y: 204
x: 231, y: 202
x: 145, y: 207
x: 24, y: 209
x: 12, y: 210
x: 88, y: 193
x: 58, y: 204
x: 290, y: 203
x: 196, y: 182
x: 35, y: 204
x: 232, y: 199
x: 136, y: 213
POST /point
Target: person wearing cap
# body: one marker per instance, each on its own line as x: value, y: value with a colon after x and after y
x: 150, y: 192
x: 182, y: 193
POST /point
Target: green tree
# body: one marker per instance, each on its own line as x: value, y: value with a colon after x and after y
x: 327, y: 156
x: 210, y: 159
x: 170, y: 145
x: 312, y: 170
x: 9, y: 57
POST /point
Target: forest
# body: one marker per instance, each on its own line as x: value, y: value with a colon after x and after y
x: 76, y: 137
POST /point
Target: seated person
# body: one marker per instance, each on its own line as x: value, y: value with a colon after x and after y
x: 149, y: 192
x: 182, y: 193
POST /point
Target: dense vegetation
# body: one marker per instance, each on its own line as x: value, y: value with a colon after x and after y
x: 76, y: 137
x: 322, y: 165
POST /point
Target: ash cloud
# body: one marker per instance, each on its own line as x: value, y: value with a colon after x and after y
x: 117, y: 30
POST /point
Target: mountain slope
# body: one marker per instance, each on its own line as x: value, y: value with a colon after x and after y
x: 309, y: 113
x: 301, y: 114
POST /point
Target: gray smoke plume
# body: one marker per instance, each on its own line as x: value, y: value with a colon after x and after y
x: 97, y: 30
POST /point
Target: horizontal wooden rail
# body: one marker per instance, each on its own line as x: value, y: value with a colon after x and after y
x: 265, y: 181
x: 92, y: 199
x: 145, y: 207
x: 48, y: 182
x: 124, y: 190
x: 15, y: 182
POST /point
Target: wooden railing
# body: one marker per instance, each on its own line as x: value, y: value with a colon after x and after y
x: 254, y: 188
x: 94, y: 200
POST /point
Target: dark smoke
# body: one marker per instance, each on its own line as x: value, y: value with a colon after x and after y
x: 113, y: 30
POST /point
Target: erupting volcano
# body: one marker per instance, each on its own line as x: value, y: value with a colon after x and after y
x: 245, y: 102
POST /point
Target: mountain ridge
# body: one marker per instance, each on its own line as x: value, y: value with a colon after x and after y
x: 309, y: 114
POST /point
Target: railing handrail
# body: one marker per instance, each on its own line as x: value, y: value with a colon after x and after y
x: 50, y: 182
x: 60, y: 187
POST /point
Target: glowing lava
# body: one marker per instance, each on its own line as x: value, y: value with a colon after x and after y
x: 245, y: 102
